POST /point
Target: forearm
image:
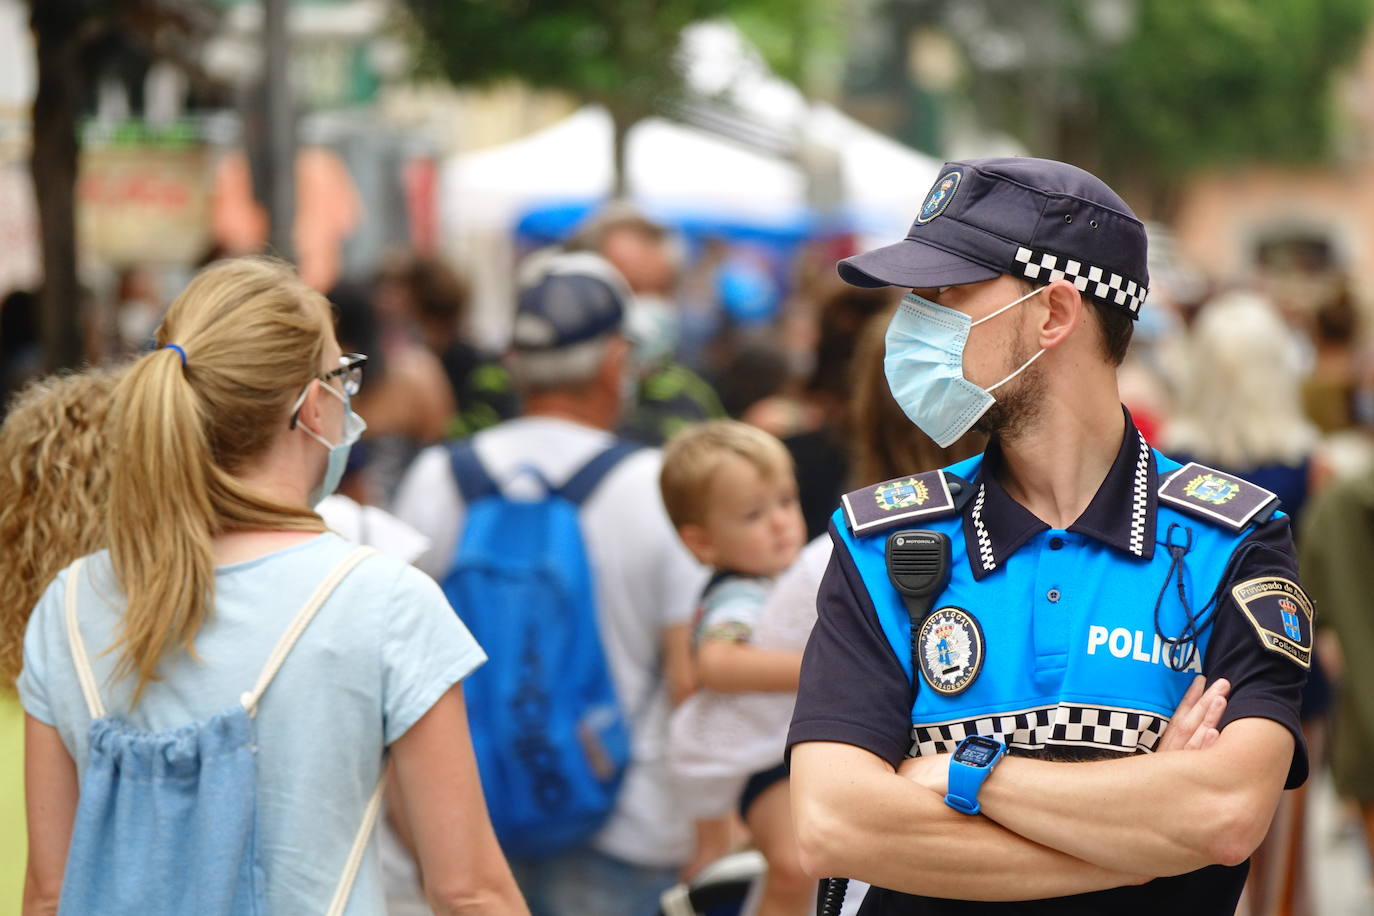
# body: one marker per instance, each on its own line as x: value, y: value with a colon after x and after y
x: 679, y: 670
x: 479, y: 902
x: 734, y: 667
x: 1164, y: 814
x: 38, y: 899
x: 874, y: 825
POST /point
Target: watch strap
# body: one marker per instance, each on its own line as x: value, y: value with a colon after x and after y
x: 965, y: 782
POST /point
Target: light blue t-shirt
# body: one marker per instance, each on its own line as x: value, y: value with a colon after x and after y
x: 380, y: 652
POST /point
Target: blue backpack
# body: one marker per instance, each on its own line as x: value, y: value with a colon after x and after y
x: 551, y: 740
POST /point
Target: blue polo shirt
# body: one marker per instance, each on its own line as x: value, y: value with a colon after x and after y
x: 1075, y: 644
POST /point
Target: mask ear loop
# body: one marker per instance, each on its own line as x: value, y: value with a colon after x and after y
x: 1007, y: 306
x: 347, y: 407
x: 1017, y: 372
x: 1028, y: 362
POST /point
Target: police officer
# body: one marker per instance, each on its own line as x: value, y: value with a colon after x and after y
x: 1008, y: 737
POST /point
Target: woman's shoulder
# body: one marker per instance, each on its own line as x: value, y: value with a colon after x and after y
x: 375, y: 569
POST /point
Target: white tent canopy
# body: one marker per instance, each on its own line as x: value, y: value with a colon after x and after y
x: 672, y: 168
x: 669, y: 168
x: 883, y: 181
x: 668, y: 165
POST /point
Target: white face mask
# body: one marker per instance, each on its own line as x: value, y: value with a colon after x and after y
x: 353, y: 428
x: 653, y: 326
x: 925, y: 367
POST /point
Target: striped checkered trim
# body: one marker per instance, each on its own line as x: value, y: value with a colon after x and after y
x: 1140, y: 497
x: 1110, y: 287
x: 984, y: 539
x: 1066, y: 724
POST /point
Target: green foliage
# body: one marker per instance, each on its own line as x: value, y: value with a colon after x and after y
x: 801, y: 40
x: 1213, y: 82
x: 617, y: 52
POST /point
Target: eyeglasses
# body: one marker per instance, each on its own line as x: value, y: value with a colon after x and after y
x: 350, y: 370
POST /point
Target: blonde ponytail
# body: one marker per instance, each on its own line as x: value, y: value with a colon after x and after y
x: 253, y: 335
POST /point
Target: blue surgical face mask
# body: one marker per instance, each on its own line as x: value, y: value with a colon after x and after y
x: 353, y: 427
x: 925, y: 367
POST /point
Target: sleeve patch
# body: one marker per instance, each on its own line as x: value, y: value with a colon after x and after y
x: 1281, y: 614
x: 896, y: 502
x: 1200, y: 490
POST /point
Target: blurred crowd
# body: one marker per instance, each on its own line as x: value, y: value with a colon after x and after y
x: 1271, y: 380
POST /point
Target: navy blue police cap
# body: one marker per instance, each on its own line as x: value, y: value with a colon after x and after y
x: 567, y: 299
x: 1033, y: 218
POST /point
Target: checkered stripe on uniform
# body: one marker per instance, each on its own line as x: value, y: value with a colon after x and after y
x: 1140, y: 497
x: 1110, y: 287
x: 1115, y: 729
x: 984, y: 539
x: 1029, y: 728
x: 1067, y: 724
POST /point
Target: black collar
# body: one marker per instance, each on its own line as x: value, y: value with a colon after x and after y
x: 1120, y: 515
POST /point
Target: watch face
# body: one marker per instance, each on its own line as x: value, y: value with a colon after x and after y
x: 977, y: 752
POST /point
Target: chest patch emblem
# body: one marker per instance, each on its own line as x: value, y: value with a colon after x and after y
x: 1281, y: 614
x: 950, y: 650
x: 901, y: 494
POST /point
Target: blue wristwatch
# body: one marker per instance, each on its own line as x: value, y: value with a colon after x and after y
x: 969, y: 766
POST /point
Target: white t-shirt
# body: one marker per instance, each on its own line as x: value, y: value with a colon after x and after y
x: 645, y: 579
x: 718, y: 740
x: 380, y: 652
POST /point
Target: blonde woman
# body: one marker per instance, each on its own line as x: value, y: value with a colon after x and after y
x: 1240, y: 405
x: 53, y: 485
x: 211, y: 700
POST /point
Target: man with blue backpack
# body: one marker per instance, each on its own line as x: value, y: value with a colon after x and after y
x: 550, y: 539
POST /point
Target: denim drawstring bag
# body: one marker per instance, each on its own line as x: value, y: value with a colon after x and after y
x: 166, y: 822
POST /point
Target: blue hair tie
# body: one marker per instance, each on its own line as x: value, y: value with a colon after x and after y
x: 179, y: 351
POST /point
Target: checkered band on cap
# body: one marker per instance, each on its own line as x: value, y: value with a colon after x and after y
x: 1105, y: 285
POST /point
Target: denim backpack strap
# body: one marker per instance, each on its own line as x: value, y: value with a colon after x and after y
x: 293, y: 633
x: 84, y: 675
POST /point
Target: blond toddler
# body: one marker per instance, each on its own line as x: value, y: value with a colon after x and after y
x: 731, y: 493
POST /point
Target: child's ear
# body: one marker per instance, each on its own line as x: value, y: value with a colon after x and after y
x: 698, y: 542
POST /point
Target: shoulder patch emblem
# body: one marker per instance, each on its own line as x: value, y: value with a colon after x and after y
x: 950, y: 650
x: 1281, y: 614
x: 895, y: 502
x: 1200, y: 490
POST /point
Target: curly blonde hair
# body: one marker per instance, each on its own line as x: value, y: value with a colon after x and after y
x: 54, y: 488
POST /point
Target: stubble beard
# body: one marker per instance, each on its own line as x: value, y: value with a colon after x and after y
x: 1015, y: 413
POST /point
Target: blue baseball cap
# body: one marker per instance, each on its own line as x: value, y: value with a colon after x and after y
x: 1033, y: 218
x: 567, y: 299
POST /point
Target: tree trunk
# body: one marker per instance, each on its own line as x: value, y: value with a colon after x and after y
x: 53, y: 166
x: 621, y: 122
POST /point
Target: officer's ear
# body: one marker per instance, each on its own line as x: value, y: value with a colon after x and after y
x: 1064, y: 312
x: 698, y: 541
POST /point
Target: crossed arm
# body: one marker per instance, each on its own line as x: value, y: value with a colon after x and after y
x: 1048, y: 829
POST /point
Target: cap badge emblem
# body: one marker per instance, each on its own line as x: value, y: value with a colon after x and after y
x: 1210, y: 488
x: 939, y: 197
x: 901, y: 494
